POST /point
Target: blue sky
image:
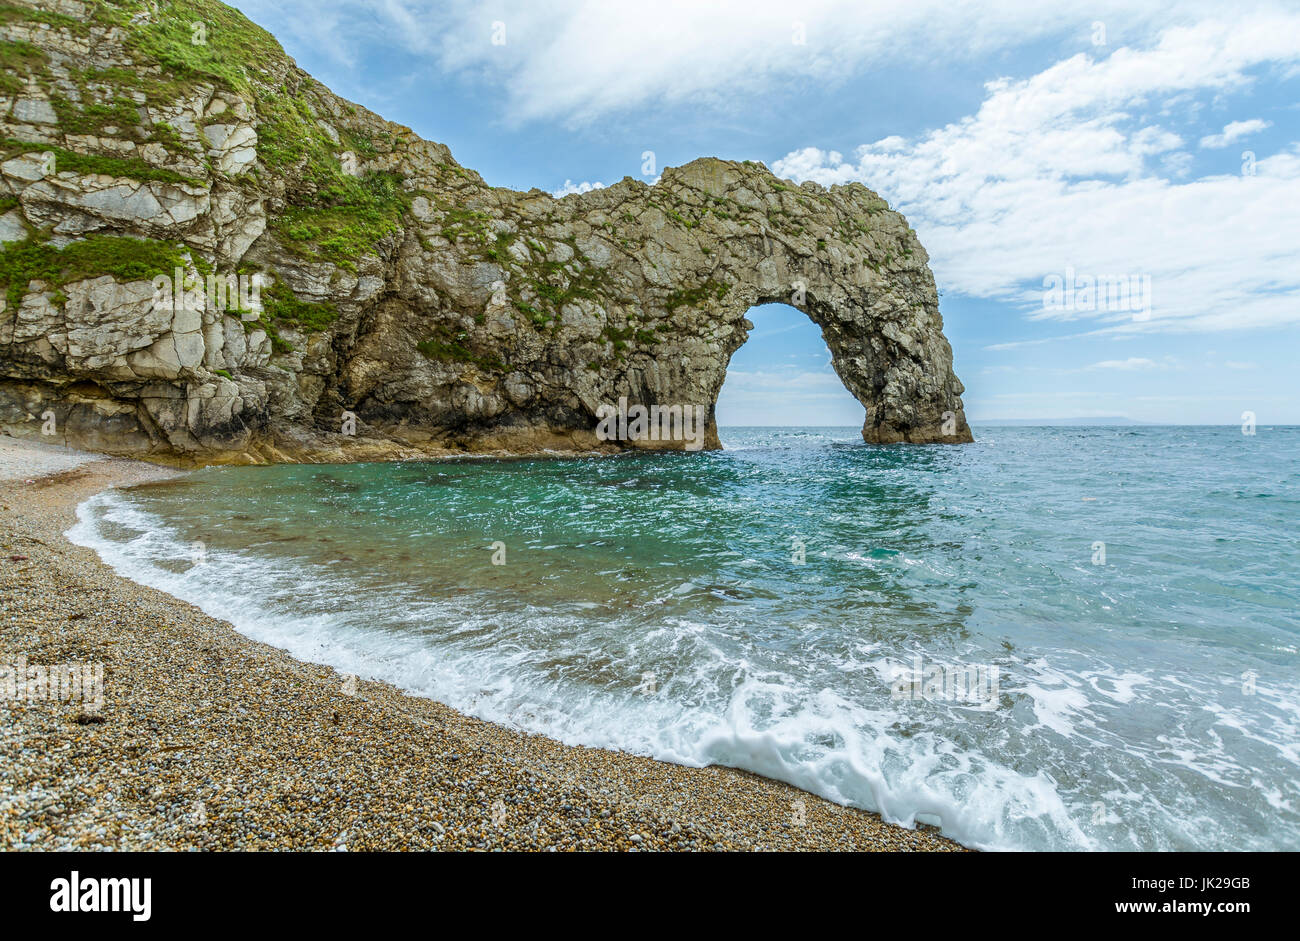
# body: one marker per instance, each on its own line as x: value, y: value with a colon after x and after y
x: 1029, y: 144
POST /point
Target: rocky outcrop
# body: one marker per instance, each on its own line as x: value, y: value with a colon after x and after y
x: 404, y: 306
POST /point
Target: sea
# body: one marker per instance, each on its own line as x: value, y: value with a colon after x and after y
x: 1055, y: 638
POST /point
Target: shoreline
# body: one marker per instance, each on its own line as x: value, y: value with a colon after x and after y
x: 210, y: 740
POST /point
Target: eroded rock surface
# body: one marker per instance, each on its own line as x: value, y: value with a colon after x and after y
x: 438, y: 311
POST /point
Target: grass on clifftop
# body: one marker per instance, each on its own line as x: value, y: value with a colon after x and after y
x: 126, y: 259
x: 196, y: 40
x: 223, y: 48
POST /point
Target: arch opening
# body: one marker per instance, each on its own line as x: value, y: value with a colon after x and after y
x: 783, y: 376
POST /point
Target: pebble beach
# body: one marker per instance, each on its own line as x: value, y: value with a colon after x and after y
x: 207, y: 740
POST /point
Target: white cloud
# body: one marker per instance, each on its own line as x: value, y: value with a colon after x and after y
x: 1232, y: 132
x: 1063, y: 170
x: 569, y: 188
x: 791, y: 382
x: 579, y: 60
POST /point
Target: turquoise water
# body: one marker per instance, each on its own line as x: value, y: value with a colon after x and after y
x: 1149, y: 699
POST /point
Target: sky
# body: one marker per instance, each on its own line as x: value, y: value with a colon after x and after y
x: 1037, y: 149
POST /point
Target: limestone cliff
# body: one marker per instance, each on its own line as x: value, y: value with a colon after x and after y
x: 402, y: 294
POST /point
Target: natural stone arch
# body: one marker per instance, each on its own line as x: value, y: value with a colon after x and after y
x: 839, y: 255
x: 885, y: 341
x: 674, y: 268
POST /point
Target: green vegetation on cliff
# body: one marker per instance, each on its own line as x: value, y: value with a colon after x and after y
x: 348, y: 217
x: 443, y: 345
x: 76, y: 162
x: 334, y: 210
x: 126, y: 259
x: 694, y: 297
x: 198, y: 40
x: 282, y: 308
x: 281, y: 305
x: 22, y: 58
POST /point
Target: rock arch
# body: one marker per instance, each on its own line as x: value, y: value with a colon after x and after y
x: 713, y: 239
x: 654, y: 283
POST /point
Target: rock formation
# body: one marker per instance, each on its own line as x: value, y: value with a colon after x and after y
x: 400, y: 293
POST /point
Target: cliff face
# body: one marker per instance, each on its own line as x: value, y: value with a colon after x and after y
x: 406, y: 305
